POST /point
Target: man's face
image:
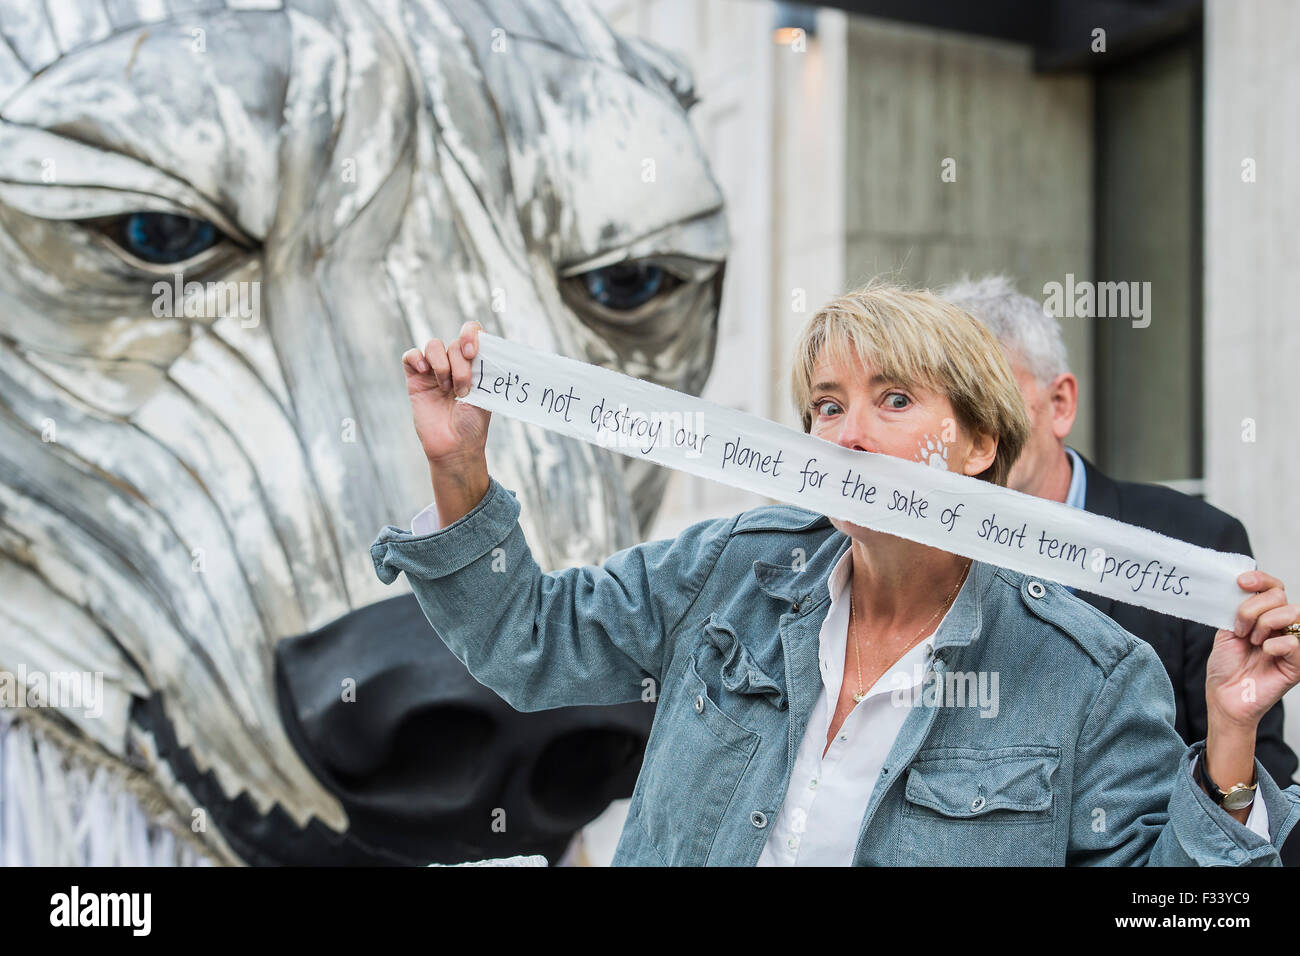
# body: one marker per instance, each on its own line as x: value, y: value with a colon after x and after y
x: 1030, y: 469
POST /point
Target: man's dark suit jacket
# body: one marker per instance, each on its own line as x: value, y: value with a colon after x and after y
x: 1184, y: 646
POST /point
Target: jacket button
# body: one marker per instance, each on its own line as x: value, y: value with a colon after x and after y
x: 699, y: 705
x: 1036, y: 589
x: 758, y: 818
x: 977, y: 804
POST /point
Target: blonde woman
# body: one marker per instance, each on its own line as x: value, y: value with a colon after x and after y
x: 803, y: 711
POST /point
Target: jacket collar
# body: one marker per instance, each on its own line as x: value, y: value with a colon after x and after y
x: 808, y: 589
x: 1102, y: 494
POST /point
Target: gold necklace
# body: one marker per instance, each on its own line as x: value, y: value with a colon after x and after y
x: 857, y: 652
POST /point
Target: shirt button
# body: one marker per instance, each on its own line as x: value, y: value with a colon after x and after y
x: 758, y: 818
x: 699, y: 705
x: 792, y: 843
x: 1036, y: 589
x: 812, y: 784
x: 977, y: 804
x: 844, y: 736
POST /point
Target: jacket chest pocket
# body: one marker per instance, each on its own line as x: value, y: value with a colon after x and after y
x: 968, y: 807
x: 692, y: 771
x: 738, y: 670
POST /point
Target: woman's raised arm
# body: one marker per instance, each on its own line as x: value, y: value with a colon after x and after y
x: 585, y: 635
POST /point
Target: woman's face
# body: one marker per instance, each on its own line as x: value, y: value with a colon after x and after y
x: 854, y: 407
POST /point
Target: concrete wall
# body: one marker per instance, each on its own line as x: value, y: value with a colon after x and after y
x: 1252, y: 256
x: 1021, y: 144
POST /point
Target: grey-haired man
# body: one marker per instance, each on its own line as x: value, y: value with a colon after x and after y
x: 1048, y: 468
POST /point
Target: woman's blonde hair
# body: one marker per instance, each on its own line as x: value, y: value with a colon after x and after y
x: 915, y: 338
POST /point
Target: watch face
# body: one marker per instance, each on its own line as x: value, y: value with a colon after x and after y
x: 1239, y: 799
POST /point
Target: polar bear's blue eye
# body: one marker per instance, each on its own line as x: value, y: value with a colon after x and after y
x: 162, y: 238
x: 627, y: 285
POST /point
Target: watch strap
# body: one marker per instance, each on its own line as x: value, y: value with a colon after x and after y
x: 1232, y: 796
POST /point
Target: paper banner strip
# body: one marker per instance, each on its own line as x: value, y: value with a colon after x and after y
x: 930, y: 505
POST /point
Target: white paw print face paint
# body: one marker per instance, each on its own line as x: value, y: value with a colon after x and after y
x: 933, y: 452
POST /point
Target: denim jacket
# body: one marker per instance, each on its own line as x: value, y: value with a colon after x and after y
x: 1080, y: 765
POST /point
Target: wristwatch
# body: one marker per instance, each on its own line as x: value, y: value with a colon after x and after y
x: 1237, y: 797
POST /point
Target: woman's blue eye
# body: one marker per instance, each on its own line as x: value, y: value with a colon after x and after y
x: 893, y: 395
x: 823, y: 404
x: 163, y: 238
x: 627, y: 285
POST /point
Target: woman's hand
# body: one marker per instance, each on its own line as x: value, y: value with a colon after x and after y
x: 1249, y: 669
x: 1252, y: 666
x: 453, y: 434
x: 450, y: 432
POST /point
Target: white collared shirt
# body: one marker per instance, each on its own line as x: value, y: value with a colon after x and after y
x: 827, y: 797
x: 819, y: 820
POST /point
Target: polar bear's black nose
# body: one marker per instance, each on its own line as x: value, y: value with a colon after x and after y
x: 430, y: 764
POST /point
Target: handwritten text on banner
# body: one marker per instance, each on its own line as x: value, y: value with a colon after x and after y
x: 933, y: 506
